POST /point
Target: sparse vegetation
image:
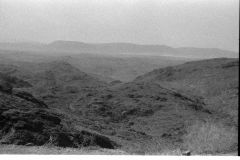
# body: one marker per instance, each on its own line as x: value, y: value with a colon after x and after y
x: 210, y: 137
x: 64, y: 107
x: 47, y: 149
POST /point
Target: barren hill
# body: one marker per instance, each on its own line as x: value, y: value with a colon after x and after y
x: 215, y: 81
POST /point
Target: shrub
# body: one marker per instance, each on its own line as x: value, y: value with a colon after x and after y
x: 71, y: 89
x: 210, y: 137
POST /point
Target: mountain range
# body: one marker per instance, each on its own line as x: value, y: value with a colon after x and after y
x: 66, y: 47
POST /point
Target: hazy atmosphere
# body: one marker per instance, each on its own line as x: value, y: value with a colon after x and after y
x: 177, y: 23
x: 119, y: 77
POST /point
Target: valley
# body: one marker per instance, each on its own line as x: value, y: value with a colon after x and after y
x: 131, y: 104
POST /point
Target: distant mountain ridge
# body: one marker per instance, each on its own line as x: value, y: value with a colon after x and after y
x: 109, y: 47
x: 68, y: 47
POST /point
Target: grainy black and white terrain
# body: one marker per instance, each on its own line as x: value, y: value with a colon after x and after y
x: 78, y: 98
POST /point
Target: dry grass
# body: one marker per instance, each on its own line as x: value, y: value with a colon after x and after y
x: 210, y: 137
x: 155, y: 146
x: 52, y: 150
x: 176, y: 152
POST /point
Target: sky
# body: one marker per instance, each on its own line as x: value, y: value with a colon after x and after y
x: 177, y: 23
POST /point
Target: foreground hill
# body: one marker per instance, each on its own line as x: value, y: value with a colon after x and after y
x: 25, y: 120
x: 215, y: 81
x: 161, y: 105
x: 140, y: 116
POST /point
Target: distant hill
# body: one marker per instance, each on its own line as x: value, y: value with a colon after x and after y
x: 57, y: 82
x: 24, y: 46
x: 59, y: 72
x: 108, y: 47
x: 66, y: 47
x: 101, y: 66
x: 123, y: 68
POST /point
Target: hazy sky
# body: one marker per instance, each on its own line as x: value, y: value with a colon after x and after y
x: 197, y: 23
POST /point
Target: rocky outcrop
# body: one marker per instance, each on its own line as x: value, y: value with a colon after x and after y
x: 26, y: 121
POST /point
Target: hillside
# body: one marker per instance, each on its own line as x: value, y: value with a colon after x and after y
x: 161, y: 105
x: 25, y: 120
x: 168, y: 109
x: 123, y: 68
x: 57, y: 82
x: 140, y: 113
x: 215, y: 81
x: 105, y: 67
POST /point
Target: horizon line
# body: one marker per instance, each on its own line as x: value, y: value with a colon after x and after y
x: 116, y: 42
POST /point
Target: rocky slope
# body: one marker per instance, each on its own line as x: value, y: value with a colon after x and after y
x: 25, y: 120
x: 215, y: 81
x: 57, y: 82
x: 139, y: 113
